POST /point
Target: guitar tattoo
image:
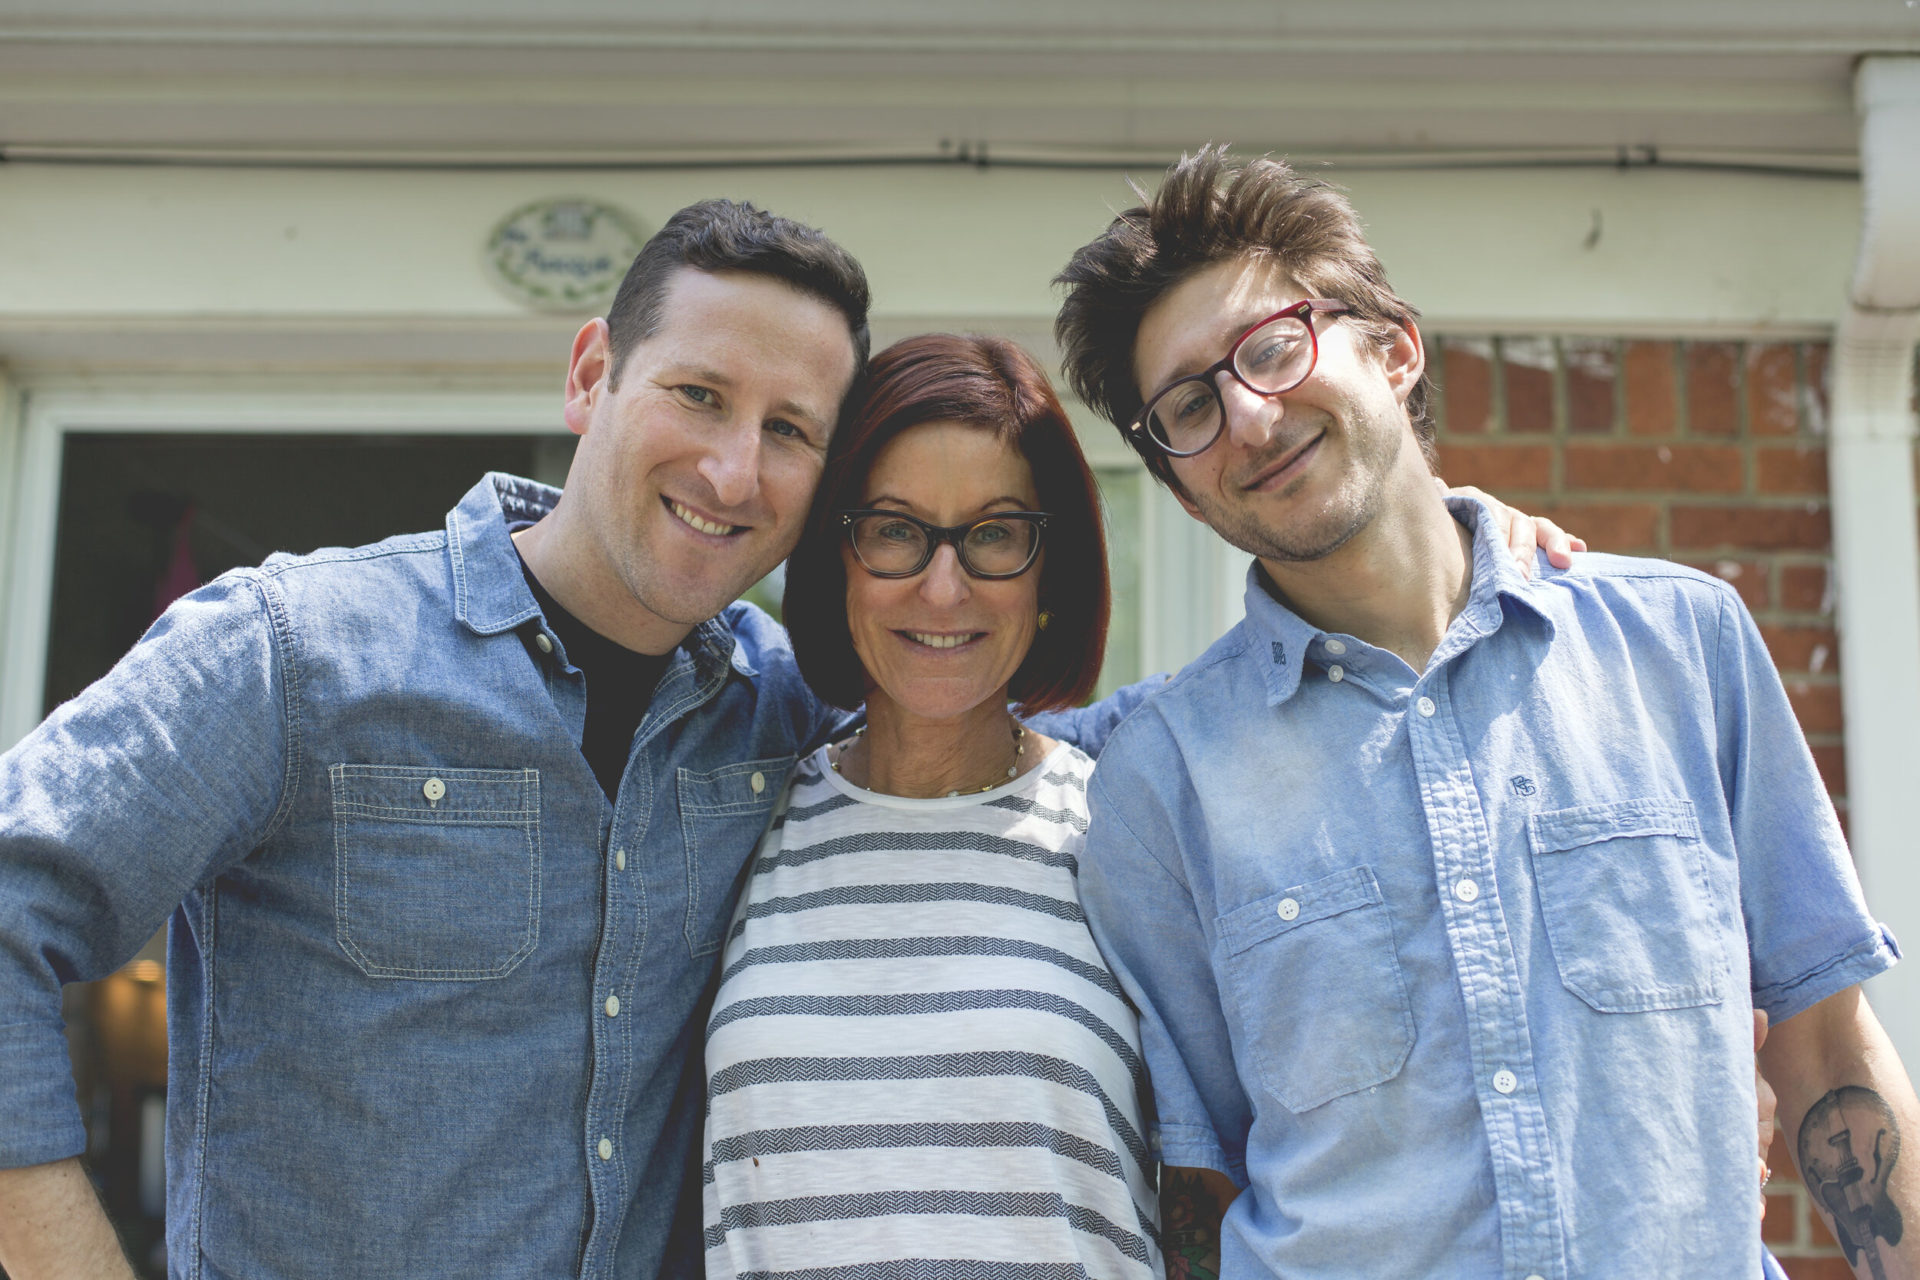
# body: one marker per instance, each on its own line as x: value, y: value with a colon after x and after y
x: 1190, y: 1235
x: 1849, y: 1142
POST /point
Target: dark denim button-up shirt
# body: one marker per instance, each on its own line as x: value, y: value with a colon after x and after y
x: 430, y: 993
x: 1453, y: 966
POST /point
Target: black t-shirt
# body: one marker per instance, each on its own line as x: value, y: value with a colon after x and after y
x: 619, y: 686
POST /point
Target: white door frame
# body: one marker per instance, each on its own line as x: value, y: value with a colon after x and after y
x: 50, y: 416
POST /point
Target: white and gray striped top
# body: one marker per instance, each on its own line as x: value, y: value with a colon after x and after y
x: 918, y: 1066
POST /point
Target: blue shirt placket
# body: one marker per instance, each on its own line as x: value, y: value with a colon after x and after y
x: 629, y: 864
x: 1532, y: 1233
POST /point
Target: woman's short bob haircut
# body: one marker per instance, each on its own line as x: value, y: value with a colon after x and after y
x: 992, y: 384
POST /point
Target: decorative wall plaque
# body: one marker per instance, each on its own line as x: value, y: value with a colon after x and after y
x: 563, y: 255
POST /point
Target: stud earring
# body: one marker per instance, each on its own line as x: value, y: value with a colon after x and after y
x: 1046, y: 616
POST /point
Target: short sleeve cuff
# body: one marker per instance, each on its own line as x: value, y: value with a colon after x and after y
x: 1187, y: 1146
x: 1869, y: 958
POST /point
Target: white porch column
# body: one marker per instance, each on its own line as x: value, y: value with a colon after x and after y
x: 1871, y: 463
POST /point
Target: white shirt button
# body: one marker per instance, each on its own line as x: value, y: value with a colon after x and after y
x: 1426, y: 706
x: 1288, y: 908
x: 1466, y: 890
x: 433, y: 789
x: 545, y: 645
x: 758, y: 782
x: 613, y: 1006
x: 619, y: 859
x: 606, y: 1148
x: 1336, y: 673
x: 1336, y: 647
x: 1536, y: 1276
x: 1504, y: 1081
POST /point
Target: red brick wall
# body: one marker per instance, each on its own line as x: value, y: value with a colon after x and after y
x: 1709, y: 453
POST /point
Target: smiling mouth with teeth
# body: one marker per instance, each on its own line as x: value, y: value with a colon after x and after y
x: 933, y: 641
x: 693, y: 521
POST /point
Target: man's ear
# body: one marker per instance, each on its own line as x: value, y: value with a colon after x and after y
x: 587, y: 372
x: 1404, y: 360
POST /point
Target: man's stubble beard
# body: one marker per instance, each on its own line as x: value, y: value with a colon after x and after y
x: 1349, y: 510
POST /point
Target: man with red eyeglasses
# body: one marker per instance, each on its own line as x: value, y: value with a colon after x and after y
x: 1447, y: 895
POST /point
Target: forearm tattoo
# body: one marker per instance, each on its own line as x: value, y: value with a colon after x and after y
x: 1848, y: 1144
x: 1190, y: 1227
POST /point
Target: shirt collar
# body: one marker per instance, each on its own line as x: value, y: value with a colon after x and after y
x: 490, y: 594
x: 1288, y: 639
x: 1497, y: 578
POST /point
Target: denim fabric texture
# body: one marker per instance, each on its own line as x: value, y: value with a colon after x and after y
x: 432, y: 999
x: 406, y: 909
x: 1453, y: 968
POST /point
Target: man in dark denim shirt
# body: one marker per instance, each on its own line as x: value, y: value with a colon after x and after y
x: 433, y: 994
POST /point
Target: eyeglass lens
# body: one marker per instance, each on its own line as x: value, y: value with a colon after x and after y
x: 1276, y: 357
x: 894, y: 544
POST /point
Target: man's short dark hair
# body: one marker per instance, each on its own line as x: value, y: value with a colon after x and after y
x: 1210, y: 208
x: 731, y: 235
x: 992, y: 384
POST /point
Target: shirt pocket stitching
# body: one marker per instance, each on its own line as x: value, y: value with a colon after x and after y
x: 693, y: 789
x: 1387, y: 1027
x: 1557, y: 839
x: 355, y: 796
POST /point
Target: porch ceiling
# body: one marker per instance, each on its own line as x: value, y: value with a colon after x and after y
x: 1026, y: 81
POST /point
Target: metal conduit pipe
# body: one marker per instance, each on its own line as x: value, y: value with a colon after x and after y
x: 1871, y: 463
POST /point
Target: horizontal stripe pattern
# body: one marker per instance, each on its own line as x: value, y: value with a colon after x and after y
x: 1076, y: 819
x: 930, y: 1269
x: 949, y: 1066
x: 907, y: 1004
x: 872, y: 894
x: 877, y: 1204
x: 906, y: 841
x: 899, y: 948
x: 919, y: 1066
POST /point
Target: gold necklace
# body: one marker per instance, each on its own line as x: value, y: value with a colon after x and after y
x: 1013, y: 770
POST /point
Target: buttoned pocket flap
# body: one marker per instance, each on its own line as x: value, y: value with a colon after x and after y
x: 1331, y: 895
x: 1629, y: 911
x: 1564, y: 829
x: 1320, y: 1005
x: 436, y: 870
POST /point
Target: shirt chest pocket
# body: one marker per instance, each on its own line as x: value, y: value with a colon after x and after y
x: 723, y: 813
x: 1628, y: 909
x: 1315, y: 978
x: 436, y: 871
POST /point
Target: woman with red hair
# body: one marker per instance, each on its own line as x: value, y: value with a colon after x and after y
x: 918, y: 1063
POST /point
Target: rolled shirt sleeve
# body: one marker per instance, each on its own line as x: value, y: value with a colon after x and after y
x: 1809, y: 932
x: 170, y: 768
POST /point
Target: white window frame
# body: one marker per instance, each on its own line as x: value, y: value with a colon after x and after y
x: 49, y: 417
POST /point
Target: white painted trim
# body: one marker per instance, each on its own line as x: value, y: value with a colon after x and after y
x: 30, y: 583
x: 1185, y: 586
x: 10, y: 447
x: 27, y: 574
x: 1878, y: 570
x: 361, y: 269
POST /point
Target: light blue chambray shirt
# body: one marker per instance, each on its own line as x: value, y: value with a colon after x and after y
x: 1451, y: 970
x: 431, y: 997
